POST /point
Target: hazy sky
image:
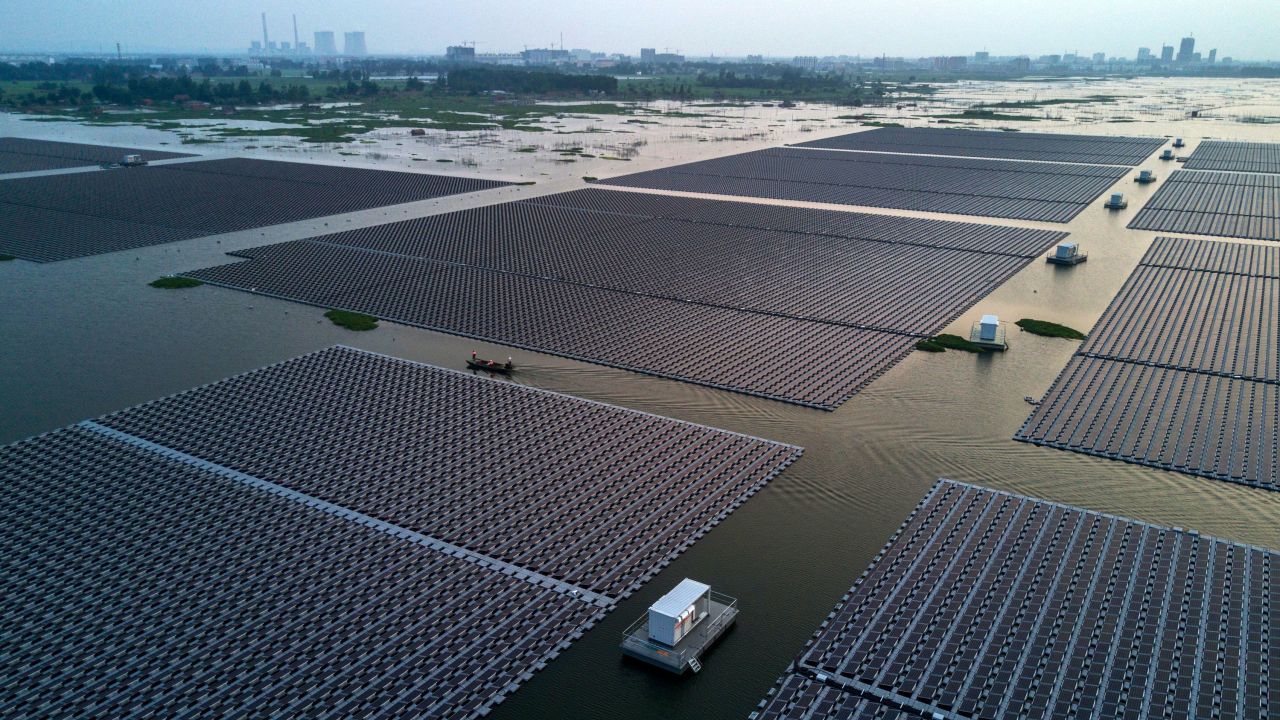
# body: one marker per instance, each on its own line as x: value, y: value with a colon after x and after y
x: 1239, y: 28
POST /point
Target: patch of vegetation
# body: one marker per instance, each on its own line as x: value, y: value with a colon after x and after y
x: 878, y: 123
x: 930, y: 346
x: 351, y: 320
x: 979, y: 114
x: 7, y: 258
x: 527, y: 150
x: 1049, y: 329
x: 945, y: 342
x: 1054, y: 101
x: 173, y: 282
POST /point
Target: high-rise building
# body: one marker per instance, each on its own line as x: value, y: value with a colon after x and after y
x: 353, y: 44
x: 1144, y: 55
x: 981, y: 56
x: 325, y: 44
x: 460, y: 53
x: 1187, y: 50
x: 1099, y: 58
x: 647, y: 55
x: 1166, y: 53
x: 1213, y: 56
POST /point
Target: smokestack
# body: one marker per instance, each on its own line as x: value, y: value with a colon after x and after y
x: 264, y: 32
x: 295, y: 32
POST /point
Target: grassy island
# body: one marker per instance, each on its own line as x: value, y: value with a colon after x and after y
x: 173, y: 282
x: 945, y: 342
x: 1049, y: 329
x: 351, y: 320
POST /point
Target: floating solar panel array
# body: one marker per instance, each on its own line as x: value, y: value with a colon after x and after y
x: 1235, y: 156
x: 798, y: 305
x: 65, y: 216
x: 1053, y: 192
x: 991, y: 605
x: 24, y: 155
x: 1088, y: 149
x: 1182, y: 372
x: 339, y: 535
x: 1227, y: 204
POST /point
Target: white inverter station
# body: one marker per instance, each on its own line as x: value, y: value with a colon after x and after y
x: 680, y: 626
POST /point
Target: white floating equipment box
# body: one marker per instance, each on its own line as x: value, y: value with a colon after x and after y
x: 1067, y: 253
x: 677, y: 612
x: 680, y: 626
x: 1145, y: 176
x: 1117, y: 202
x: 988, y: 326
x: 988, y: 333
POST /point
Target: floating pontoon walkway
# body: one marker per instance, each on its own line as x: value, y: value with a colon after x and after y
x: 24, y: 155
x: 798, y: 305
x: 1049, y: 147
x: 992, y: 605
x: 67, y: 216
x: 339, y: 535
x: 1182, y: 372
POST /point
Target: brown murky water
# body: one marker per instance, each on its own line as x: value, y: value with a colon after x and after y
x: 85, y: 337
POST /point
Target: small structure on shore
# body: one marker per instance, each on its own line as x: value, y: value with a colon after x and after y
x: 989, y: 334
x: 1117, y: 202
x: 1145, y: 176
x: 1067, y: 253
x: 680, y: 626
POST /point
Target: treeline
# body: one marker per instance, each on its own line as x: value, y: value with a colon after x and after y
x: 785, y: 78
x: 485, y: 79
x: 166, y: 89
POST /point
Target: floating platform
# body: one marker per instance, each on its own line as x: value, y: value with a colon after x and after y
x: 1258, y: 157
x: 685, y: 655
x: 1145, y: 177
x: 997, y: 341
x: 1049, y: 147
x: 1073, y: 260
x: 25, y: 155
x: 1116, y: 204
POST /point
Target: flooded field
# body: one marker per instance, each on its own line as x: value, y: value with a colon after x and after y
x: 87, y: 336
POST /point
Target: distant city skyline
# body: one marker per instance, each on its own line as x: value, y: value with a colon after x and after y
x: 697, y: 29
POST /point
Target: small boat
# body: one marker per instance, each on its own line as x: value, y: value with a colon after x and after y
x: 479, y: 363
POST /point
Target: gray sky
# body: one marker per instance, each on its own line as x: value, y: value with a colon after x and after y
x: 1243, y: 29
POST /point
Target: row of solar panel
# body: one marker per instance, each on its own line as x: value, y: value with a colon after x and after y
x: 1000, y: 188
x: 25, y: 155
x: 1235, y: 156
x: 1092, y: 149
x: 991, y: 605
x: 1215, y: 203
x: 1182, y: 371
x: 659, y: 294
x: 152, y: 571
x: 66, y: 216
x: 140, y: 586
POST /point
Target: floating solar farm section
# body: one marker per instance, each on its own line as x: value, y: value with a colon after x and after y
x: 340, y: 535
x: 1086, y: 149
x: 1052, y: 192
x: 1235, y: 156
x: 23, y: 155
x: 1226, y: 204
x: 794, y: 304
x: 1182, y: 372
x: 991, y: 605
x: 66, y: 216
